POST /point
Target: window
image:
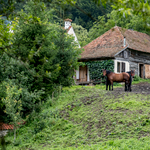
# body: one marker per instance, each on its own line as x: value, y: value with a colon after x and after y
x: 118, y: 66
x: 121, y: 67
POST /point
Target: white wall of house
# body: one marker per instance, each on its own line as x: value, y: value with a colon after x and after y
x: 3, y: 132
x: 127, y: 65
x: 67, y: 24
x: 77, y: 74
x: 71, y: 32
x: 88, y: 74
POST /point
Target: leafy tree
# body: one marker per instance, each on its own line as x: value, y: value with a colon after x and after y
x: 37, y: 56
x: 19, y: 75
x: 82, y: 34
x: 87, y: 12
x: 134, y: 22
x: 76, y: 21
x: 44, y: 47
x: 13, y: 104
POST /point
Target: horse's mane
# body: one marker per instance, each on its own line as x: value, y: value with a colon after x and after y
x: 108, y: 71
x: 129, y: 72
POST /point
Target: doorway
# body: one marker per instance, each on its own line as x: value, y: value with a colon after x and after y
x: 141, y: 70
x: 83, y: 74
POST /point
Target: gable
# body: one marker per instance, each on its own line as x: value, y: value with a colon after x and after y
x: 71, y: 32
x: 124, y: 54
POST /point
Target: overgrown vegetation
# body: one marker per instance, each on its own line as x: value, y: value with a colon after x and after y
x: 37, y: 56
x: 88, y: 118
x: 38, y: 59
x: 95, y: 69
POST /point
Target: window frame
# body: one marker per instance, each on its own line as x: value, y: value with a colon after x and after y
x: 120, y: 68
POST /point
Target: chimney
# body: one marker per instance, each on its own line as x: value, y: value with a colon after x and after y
x: 124, y: 42
x: 67, y: 23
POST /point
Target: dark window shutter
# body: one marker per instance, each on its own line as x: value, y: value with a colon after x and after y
x: 118, y: 66
x: 123, y: 67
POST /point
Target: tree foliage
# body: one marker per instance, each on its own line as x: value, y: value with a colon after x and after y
x: 37, y: 56
x: 89, y: 14
x: 112, y: 19
x: 45, y: 47
x: 13, y: 105
x: 82, y: 34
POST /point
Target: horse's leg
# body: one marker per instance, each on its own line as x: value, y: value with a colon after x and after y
x: 129, y: 87
x: 111, y: 82
x: 107, y: 83
x: 126, y: 85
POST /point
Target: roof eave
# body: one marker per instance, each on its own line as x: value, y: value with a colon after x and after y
x: 94, y: 59
x: 121, y: 51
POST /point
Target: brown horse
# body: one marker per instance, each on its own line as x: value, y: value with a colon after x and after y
x: 116, y: 77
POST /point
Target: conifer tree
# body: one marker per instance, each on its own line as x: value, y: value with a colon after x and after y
x: 45, y: 48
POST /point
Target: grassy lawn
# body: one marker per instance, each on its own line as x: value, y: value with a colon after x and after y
x: 88, y: 118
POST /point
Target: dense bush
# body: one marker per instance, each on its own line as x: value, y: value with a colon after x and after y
x: 39, y: 56
x: 136, y: 78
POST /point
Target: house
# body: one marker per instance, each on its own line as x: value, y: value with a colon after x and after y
x: 129, y: 49
x: 4, y: 128
x: 70, y: 30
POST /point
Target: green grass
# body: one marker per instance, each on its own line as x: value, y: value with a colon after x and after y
x: 88, y: 118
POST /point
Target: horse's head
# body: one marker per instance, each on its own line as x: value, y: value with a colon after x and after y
x: 132, y: 73
x: 104, y: 72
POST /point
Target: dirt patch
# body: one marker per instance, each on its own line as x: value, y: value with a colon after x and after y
x: 140, y: 88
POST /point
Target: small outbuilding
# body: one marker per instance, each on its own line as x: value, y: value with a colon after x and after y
x: 4, y: 128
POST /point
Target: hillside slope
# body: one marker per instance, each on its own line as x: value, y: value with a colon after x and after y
x: 90, y: 118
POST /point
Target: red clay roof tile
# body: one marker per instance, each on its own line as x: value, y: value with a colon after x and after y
x: 112, y: 42
x: 68, y: 20
x: 4, y: 126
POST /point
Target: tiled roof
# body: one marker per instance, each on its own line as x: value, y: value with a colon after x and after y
x: 137, y: 40
x: 112, y: 42
x: 4, y: 126
x: 68, y: 20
